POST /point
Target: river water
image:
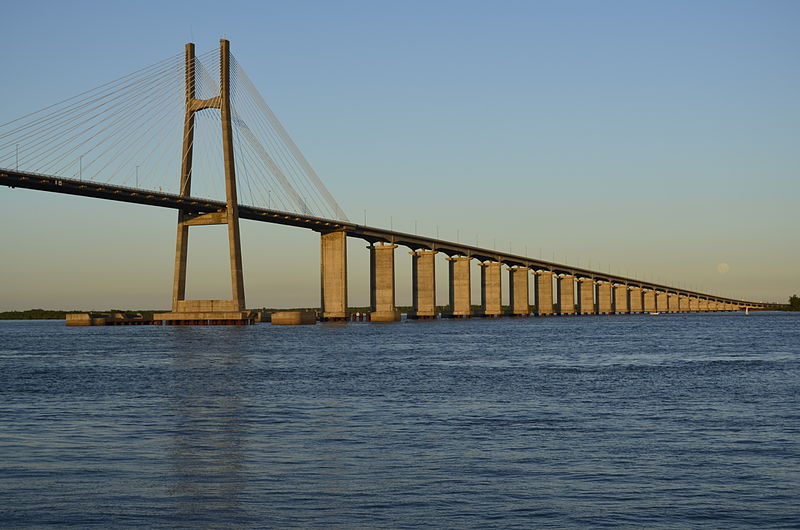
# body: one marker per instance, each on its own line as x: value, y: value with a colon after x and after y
x: 671, y: 421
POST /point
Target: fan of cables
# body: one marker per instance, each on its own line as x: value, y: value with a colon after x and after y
x: 129, y: 132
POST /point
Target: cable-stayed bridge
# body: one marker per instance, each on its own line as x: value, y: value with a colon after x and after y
x: 192, y: 133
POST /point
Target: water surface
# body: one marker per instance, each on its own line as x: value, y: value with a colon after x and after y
x: 642, y: 421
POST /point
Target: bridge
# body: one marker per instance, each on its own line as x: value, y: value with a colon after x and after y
x: 105, y: 125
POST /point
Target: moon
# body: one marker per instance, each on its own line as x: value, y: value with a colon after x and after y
x: 723, y: 268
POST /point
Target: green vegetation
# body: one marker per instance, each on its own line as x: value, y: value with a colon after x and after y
x: 794, y: 303
x: 34, y: 314
x: 50, y: 314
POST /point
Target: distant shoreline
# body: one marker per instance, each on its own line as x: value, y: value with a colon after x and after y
x: 57, y: 314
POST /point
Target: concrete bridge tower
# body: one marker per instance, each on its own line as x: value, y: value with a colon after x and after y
x: 217, y: 311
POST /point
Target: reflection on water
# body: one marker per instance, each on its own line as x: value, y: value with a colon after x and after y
x: 209, y: 434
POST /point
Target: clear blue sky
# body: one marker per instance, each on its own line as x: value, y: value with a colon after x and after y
x: 660, y: 139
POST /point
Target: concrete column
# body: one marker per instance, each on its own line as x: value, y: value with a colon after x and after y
x: 585, y: 296
x: 333, y: 272
x: 662, y: 301
x: 518, y: 291
x: 694, y: 304
x: 621, y: 305
x: 672, y: 303
x: 649, y: 301
x: 636, y: 298
x: 544, y: 293
x: 565, y: 287
x: 683, y: 304
x: 604, y: 298
x: 382, y: 286
x: 491, y: 289
x: 423, y: 284
x: 460, y: 292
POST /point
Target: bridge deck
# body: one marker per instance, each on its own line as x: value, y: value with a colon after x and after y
x: 34, y: 181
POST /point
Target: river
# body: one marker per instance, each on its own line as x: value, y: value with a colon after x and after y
x: 668, y: 421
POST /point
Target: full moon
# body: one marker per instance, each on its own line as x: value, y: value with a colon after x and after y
x: 723, y: 268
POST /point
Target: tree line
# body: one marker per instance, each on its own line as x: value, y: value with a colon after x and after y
x: 794, y: 303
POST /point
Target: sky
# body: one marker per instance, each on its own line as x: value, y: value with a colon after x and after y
x: 655, y: 139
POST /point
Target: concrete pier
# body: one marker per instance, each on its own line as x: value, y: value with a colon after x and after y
x: 423, y: 284
x: 206, y: 318
x: 694, y: 304
x: 543, y: 289
x: 672, y: 303
x: 491, y: 289
x: 604, y: 298
x: 649, y: 301
x: 333, y: 275
x: 204, y: 312
x: 662, y: 303
x: 683, y: 304
x: 518, y: 292
x: 703, y: 304
x: 565, y: 291
x: 636, y: 299
x: 586, y: 296
x: 293, y: 318
x: 460, y: 288
x: 382, y: 284
x: 621, y: 305
x: 109, y: 319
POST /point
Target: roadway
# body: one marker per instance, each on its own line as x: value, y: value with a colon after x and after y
x: 49, y: 183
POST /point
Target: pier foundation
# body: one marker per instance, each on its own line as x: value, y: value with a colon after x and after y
x: 662, y: 304
x: 621, y: 305
x: 649, y: 301
x: 518, y: 290
x: 586, y: 296
x: 333, y: 275
x: 672, y: 303
x: 491, y: 289
x: 565, y: 289
x: 543, y: 289
x: 604, y: 298
x: 636, y: 299
x: 460, y: 288
x: 382, y: 284
x: 423, y: 284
